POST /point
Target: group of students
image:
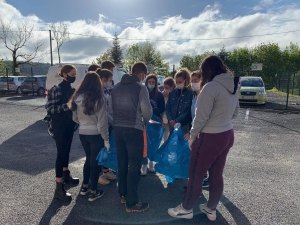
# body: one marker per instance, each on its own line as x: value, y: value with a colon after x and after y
x: 202, y: 103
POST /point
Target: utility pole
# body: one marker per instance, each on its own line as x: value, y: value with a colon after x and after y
x: 173, y: 70
x: 51, y: 48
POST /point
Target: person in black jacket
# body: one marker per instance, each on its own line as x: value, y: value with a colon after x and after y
x: 157, y: 102
x: 178, y: 108
x: 63, y: 126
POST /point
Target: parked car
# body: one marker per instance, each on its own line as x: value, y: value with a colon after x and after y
x: 252, y: 91
x: 38, y: 83
x: 53, y: 77
x: 14, y: 83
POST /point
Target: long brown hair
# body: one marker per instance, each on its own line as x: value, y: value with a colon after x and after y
x: 170, y: 82
x: 211, y: 67
x: 185, y: 74
x: 92, y: 92
x: 152, y: 76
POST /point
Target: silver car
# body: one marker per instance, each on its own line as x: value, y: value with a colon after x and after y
x: 38, y: 83
x: 11, y: 83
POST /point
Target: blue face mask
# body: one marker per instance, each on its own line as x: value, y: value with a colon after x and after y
x: 151, y: 87
x: 108, y: 86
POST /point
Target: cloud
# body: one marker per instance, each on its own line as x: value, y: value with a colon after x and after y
x: 173, y: 36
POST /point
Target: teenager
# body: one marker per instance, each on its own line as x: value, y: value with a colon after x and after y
x: 169, y: 86
x: 89, y: 111
x: 131, y: 110
x: 60, y: 118
x: 211, y: 136
x: 158, y: 106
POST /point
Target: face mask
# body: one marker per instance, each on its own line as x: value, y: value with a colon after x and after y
x: 180, y: 86
x: 151, y: 87
x: 108, y: 86
x: 70, y: 79
x: 195, y: 86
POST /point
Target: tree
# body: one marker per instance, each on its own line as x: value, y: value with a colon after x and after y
x: 146, y: 53
x: 61, y: 35
x: 192, y: 63
x: 104, y: 56
x: 16, y: 38
x: 116, y: 51
x: 3, y: 67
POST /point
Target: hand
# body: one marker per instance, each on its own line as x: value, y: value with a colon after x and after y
x: 190, y: 144
x: 187, y: 137
x: 177, y: 125
x: 107, y: 145
x: 172, y: 123
x: 165, y: 94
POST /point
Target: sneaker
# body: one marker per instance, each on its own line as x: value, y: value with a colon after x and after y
x: 144, y: 170
x: 180, y: 212
x: 138, y: 207
x: 102, y: 180
x: 123, y: 200
x: 109, y: 175
x: 84, y: 190
x: 93, y: 197
x: 211, y: 214
x: 205, y: 183
x: 151, y: 167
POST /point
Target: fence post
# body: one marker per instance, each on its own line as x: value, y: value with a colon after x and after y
x: 32, y: 81
x: 288, y: 91
x: 6, y: 70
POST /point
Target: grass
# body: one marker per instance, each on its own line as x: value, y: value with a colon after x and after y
x: 282, y: 93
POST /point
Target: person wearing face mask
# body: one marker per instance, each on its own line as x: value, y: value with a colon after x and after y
x: 169, y: 86
x: 158, y: 105
x: 63, y: 126
x: 178, y: 108
x: 106, y: 82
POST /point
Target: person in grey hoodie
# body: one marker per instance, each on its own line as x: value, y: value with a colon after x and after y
x: 90, y: 112
x: 131, y: 109
x: 211, y: 136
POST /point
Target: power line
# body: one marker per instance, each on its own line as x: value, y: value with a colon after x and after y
x: 180, y: 39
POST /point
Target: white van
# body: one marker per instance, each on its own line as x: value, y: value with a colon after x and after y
x: 53, y: 77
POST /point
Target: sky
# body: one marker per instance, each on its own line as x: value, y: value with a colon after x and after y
x: 174, y: 27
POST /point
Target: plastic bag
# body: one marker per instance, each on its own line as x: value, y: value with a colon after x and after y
x: 173, y: 157
x: 155, y: 133
x: 109, y: 159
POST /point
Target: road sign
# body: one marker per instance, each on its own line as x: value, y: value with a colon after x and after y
x: 256, y: 66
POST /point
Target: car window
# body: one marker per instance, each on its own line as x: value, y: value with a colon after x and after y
x: 30, y: 79
x: 5, y: 79
x: 252, y: 82
x: 43, y: 79
x: 21, y: 79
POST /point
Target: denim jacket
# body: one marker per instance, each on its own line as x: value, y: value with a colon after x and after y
x: 178, y: 107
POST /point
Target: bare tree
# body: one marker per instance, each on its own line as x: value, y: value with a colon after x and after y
x: 61, y: 35
x: 15, y: 39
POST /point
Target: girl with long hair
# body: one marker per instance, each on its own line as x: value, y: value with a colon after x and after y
x: 89, y: 111
x: 211, y: 136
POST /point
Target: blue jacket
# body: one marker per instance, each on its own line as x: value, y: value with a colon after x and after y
x: 158, y: 106
x: 178, y: 107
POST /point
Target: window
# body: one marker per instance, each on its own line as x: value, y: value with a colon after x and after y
x: 20, y: 79
x: 43, y: 79
x: 252, y: 82
x: 5, y: 79
x: 30, y: 79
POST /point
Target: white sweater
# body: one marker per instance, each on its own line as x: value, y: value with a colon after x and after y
x: 91, y: 124
x: 217, y: 105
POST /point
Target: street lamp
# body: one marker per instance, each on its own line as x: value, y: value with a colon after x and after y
x: 51, y: 48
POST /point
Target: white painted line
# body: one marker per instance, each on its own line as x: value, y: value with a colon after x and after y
x: 247, y: 114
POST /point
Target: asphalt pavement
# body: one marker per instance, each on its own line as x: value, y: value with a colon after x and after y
x: 261, y: 175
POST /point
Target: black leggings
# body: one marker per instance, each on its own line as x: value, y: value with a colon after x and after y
x: 63, y: 145
x: 92, y: 144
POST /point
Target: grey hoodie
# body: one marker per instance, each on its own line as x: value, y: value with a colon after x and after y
x: 91, y: 124
x: 217, y: 105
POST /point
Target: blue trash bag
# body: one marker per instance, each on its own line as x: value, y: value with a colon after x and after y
x: 109, y: 159
x: 173, y: 157
x: 154, y: 133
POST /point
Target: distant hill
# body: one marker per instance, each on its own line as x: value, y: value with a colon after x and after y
x: 37, y: 68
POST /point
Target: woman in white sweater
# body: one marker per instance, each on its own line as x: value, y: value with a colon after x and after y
x: 211, y: 136
x: 89, y: 111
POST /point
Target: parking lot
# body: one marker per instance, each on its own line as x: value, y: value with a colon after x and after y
x: 261, y: 175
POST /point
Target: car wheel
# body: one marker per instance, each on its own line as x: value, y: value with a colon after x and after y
x: 19, y: 90
x: 41, y: 92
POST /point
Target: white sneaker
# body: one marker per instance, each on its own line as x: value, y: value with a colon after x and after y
x: 180, y: 212
x: 151, y: 167
x: 102, y: 180
x: 211, y: 214
x: 109, y: 175
x: 144, y: 170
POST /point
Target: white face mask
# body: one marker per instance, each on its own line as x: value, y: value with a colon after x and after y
x: 195, y: 86
x: 180, y: 86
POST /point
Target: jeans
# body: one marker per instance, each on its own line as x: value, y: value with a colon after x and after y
x: 63, y: 145
x: 92, y: 144
x: 130, y: 145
